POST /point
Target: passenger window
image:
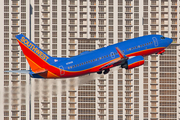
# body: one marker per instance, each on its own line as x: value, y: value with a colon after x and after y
x: 134, y: 47
x: 75, y: 65
x: 71, y: 67
x: 145, y: 44
x: 95, y: 59
x: 107, y: 55
x: 141, y: 45
x: 82, y: 63
x: 86, y: 61
x: 129, y: 48
x: 151, y: 42
x: 91, y: 60
x: 104, y: 56
x: 68, y: 67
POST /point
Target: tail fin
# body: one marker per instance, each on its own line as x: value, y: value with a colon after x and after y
x: 36, y: 57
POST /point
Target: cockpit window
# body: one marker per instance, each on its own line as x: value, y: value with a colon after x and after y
x: 163, y: 38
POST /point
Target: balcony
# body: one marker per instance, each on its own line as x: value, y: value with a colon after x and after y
x: 174, y: 4
x: 154, y: 16
x: 101, y: 89
x: 174, y: 16
x: 83, y: 3
x: 45, y: 3
x: 102, y: 101
x: 72, y: 106
x: 15, y: 10
x: 103, y: 3
x: 164, y: 3
x: 15, y: 16
x: 93, y: 3
x: 154, y: 3
x: 164, y: 23
x: 128, y: 4
x: 154, y: 9
x: 154, y: 99
x: 164, y: 28
x: 46, y: 10
x: 154, y: 88
x: 93, y: 11
x: 45, y: 16
x: 164, y: 10
x: 154, y: 23
x: 73, y: 42
x: 15, y: 3
x: 102, y: 113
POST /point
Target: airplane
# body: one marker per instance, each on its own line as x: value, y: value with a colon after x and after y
x: 127, y: 54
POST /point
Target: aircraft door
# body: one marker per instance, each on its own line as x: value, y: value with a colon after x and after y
x: 112, y: 55
x: 62, y: 72
x: 155, y: 41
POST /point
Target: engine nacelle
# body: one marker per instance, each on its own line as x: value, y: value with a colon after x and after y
x: 133, y: 62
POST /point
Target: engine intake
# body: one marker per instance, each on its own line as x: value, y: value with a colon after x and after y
x: 133, y: 62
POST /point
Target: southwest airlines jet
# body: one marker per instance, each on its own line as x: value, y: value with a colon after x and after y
x: 127, y: 54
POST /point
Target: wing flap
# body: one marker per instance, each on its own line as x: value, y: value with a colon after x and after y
x: 114, y: 63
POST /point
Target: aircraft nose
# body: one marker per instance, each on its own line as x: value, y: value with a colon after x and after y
x: 169, y: 40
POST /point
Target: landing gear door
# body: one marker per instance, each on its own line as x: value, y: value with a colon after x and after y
x: 155, y: 41
x: 62, y: 72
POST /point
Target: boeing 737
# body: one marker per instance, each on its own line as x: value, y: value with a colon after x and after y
x: 127, y: 54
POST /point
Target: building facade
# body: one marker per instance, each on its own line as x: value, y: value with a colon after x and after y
x: 65, y: 28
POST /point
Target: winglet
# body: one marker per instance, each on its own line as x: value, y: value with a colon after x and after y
x: 121, y: 54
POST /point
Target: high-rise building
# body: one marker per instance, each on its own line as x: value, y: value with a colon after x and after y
x: 15, y: 19
x: 65, y: 28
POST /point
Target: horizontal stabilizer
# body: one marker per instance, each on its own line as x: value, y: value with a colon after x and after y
x: 39, y: 71
x: 20, y: 71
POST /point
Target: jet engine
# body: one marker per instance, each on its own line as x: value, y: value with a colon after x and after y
x: 133, y: 62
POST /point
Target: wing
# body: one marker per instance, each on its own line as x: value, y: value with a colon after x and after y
x: 119, y: 61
